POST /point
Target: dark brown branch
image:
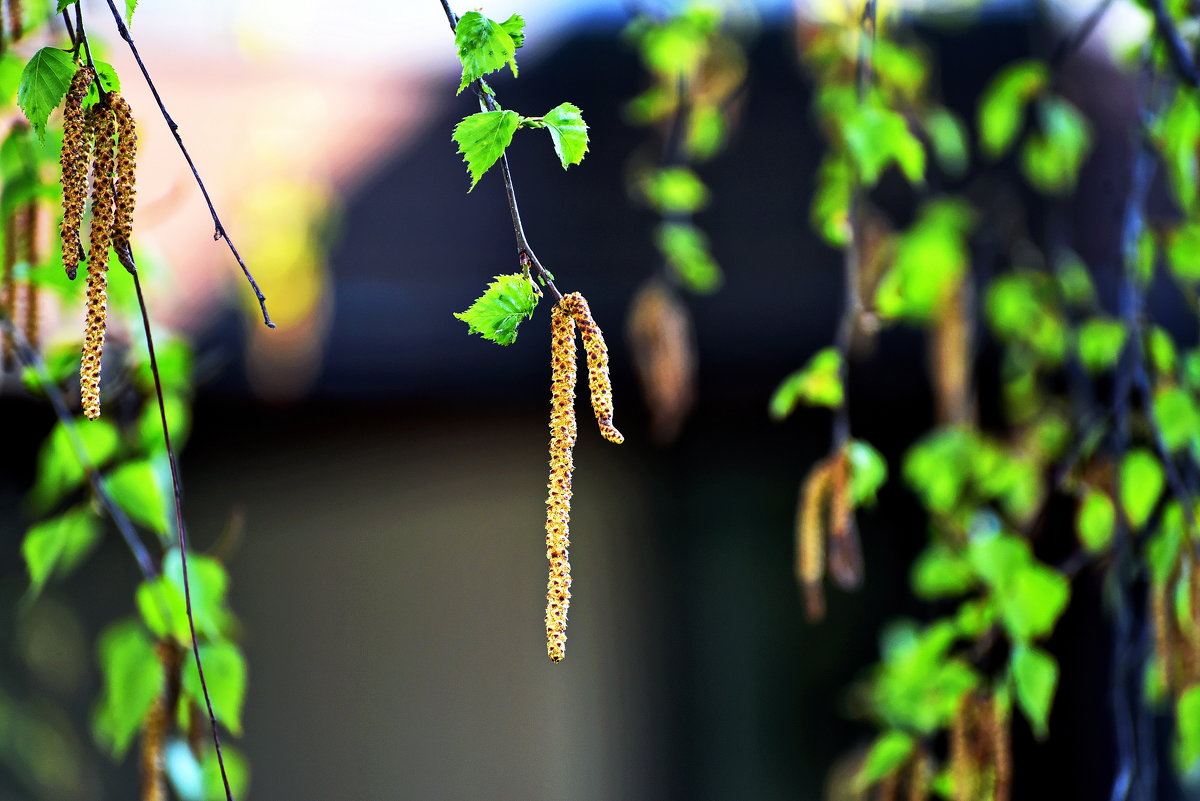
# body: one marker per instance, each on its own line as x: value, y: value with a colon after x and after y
x: 125, y: 255
x: 219, y: 232
x: 525, y: 254
x: 1177, y: 49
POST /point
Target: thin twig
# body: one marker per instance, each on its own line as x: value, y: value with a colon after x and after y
x: 219, y: 232
x: 1069, y: 45
x: 1177, y: 49
x: 125, y: 255
x: 525, y: 254
x: 852, y: 305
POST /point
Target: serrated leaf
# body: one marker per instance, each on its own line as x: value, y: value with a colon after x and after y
x: 482, y: 139
x: 132, y: 677
x: 1035, y: 674
x: 63, y: 5
x: 568, y: 131
x: 485, y: 45
x: 499, y: 310
x: 107, y: 76
x: 887, y: 754
x: 514, y: 26
x: 818, y: 383
x: 130, y: 7
x: 44, y: 84
x: 58, y: 545
x: 225, y: 672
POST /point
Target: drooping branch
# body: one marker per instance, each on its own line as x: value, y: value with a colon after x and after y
x: 125, y: 255
x: 525, y: 254
x: 219, y: 232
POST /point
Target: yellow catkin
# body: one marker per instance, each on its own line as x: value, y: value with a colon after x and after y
x: 961, y: 768
x: 597, y: 362
x: 8, y: 288
x: 154, y: 735
x: 31, y: 257
x: 97, y: 281
x: 918, y: 777
x: 74, y: 164
x: 563, y: 432
x: 810, y: 538
x: 845, y: 554
x: 126, y: 169
x: 995, y: 721
x: 1164, y: 653
x: 889, y: 787
x: 16, y: 20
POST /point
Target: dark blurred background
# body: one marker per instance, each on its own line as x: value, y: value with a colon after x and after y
x: 389, y: 572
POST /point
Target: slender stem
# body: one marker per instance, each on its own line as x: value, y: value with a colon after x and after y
x: 852, y: 307
x: 1068, y: 46
x: 1177, y: 49
x: 219, y: 232
x: 525, y: 254
x: 87, y: 49
x: 125, y: 254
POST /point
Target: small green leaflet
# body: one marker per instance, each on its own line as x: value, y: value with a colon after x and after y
x: 63, y: 5
x: 497, y: 313
x: 482, y: 139
x: 1035, y: 674
x: 485, y: 45
x: 108, y: 78
x: 887, y: 754
x: 58, y: 545
x: 225, y: 669
x: 819, y: 383
x: 568, y: 131
x: 44, y: 84
x: 130, y: 7
x: 132, y: 677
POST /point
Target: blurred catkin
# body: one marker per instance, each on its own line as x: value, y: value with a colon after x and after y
x: 103, y: 164
x: 563, y: 432
x: 664, y: 353
x: 597, y: 362
x: 74, y: 164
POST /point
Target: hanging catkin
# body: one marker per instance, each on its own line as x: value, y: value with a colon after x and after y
x: 810, y: 538
x: 597, y: 361
x: 16, y: 20
x: 74, y: 162
x: 126, y: 168
x: 563, y: 432
x: 8, y: 289
x: 103, y: 165
x: 30, y: 256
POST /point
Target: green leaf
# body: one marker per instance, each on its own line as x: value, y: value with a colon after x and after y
x: 887, y: 754
x: 496, y: 314
x: 485, y: 45
x: 676, y: 190
x: 830, y: 213
x: 195, y: 779
x: 149, y: 425
x: 130, y: 7
x: 1074, y: 281
x: 568, y: 131
x: 106, y: 74
x: 1003, y: 104
x: 1187, y: 729
x: 1177, y: 133
x: 868, y: 471
x: 1095, y: 520
x: 225, y: 671
x: 163, y: 607
x: 1053, y: 155
x: 878, y: 137
x: 1142, y: 482
x: 59, y: 469
x: 134, y: 486
x: 1177, y: 417
x: 58, y: 545
x: 44, y: 84
x: 63, y: 5
x: 919, y: 686
x: 818, y: 383
x: 1162, y: 351
x: 174, y: 357
x: 931, y: 258
x: 1035, y: 674
x: 1032, y: 604
x: 1183, y: 252
x: 949, y: 139
x: 514, y: 26
x: 685, y: 249
x: 482, y: 139
x: 939, y: 572
x: 132, y: 678
x: 1100, y: 344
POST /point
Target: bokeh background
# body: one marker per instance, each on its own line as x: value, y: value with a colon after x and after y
x: 375, y: 477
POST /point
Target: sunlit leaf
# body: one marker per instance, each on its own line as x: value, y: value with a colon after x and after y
x: 135, y: 488
x: 568, y: 132
x: 818, y: 383
x: 685, y: 248
x: 44, y: 84
x: 162, y: 604
x: 1096, y: 519
x: 868, y: 471
x: 482, y: 139
x: 225, y: 672
x: 59, y: 468
x: 485, y: 45
x: 1002, y: 107
x: 58, y: 545
x: 1035, y: 675
x: 1142, y: 482
x: 1100, y: 344
x: 131, y: 677
x: 497, y: 313
x: 888, y: 753
x: 675, y: 190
